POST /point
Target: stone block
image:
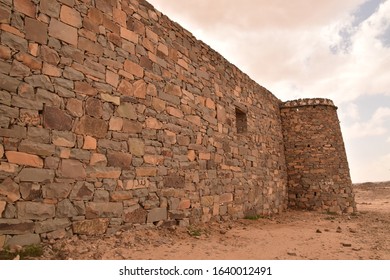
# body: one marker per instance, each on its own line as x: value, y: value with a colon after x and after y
x: 23, y: 240
x: 49, y: 55
x: 226, y: 198
x: 153, y: 123
x: 90, y: 143
x: 13, y: 41
x: 63, y: 138
x: 137, y: 216
x: 104, y: 172
x: 184, y: 204
x: 35, y: 210
x: 10, y: 190
x: 30, y: 191
x: 82, y: 191
x: 127, y: 110
x: 132, y: 126
x: 133, y: 68
x: 116, y: 100
x: 14, y: 226
x: 94, y: 107
x: 36, y: 148
x: 8, y: 83
x: 56, y: 190
x: 24, y: 159
x: 98, y: 159
x: 70, y: 16
x: 26, y: 7
x: 36, y: 30
x: 157, y: 214
x: 174, y: 181
x: 91, y: 126
x: 71, y: 168
x: 146, y: 171
x: 75, y: 107
x: 55, y: 118
x: 65, y: 209
x: 38, y: 134
x: 121, y: 195
x: 103, y: 210
x: 51, y: 225
x: 36, y: 175
x: 91, y: 227
x: 125, y: 88
x: 139, y: 89
x: 63, y: 32
x: 50, y: 8
x: 116, y: 124
x: 119, y: 159
x: 136, y: 147
x: 90, y: 46
x: 40, y: 81
x: 19, y: 70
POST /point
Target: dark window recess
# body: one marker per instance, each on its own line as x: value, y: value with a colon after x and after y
x: 241, y: 121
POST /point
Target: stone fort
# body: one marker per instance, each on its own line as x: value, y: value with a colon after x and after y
x: 112, y: 115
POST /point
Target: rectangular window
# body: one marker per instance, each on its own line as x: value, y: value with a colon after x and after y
x: 241, y: 121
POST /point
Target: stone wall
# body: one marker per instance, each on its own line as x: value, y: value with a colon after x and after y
x: 112, y: 115
x: 317, y: 166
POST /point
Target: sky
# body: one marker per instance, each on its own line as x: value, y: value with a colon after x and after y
x: 306, y: 49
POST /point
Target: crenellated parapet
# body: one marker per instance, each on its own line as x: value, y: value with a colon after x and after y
x: 307, y: 102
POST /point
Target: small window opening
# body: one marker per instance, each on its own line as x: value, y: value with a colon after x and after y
x: 241, y: 121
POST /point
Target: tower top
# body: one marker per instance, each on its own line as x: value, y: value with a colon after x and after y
x: 308, y: 102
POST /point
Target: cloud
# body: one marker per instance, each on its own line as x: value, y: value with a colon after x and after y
x: 294, y: 48
x: 373, y: 170
x: 375, y: 126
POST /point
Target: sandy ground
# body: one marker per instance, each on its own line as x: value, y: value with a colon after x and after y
x: 291, y: 235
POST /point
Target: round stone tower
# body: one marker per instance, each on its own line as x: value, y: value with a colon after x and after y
x: 317, y: 166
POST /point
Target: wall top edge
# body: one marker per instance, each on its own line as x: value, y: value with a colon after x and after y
x: 307, y: 102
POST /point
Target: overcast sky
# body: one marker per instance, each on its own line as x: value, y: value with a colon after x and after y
x: 337, y: 49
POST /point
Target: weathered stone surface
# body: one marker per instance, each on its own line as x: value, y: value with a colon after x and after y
x: 13, y: 41
x: 40, y: 81
x: 23, y: 240
x: 36, y: 30
x: 98, y: 160
x: 119, y: 159
x: 103, y: 172
x: 90, y: 143
x: 36, y: 175
x: 63, y: 138
x: 51, y: 225
x: 3, y: 204
x: 103, y: 210
x: 8, y: 83
x: 157, y: 214
x: 63, y: 32
x: 136, y: 147
x: 72, y: 169
x: 91, y: 126
x: 131, y: 126
x: 82, y: 191
x: 70, y: 16
x: 14, y: 226
x: 30, y: 191
x: 94, y: 107
x: 174, y: 181
x: 121, y: 195
x: 38, y: 134
x: 75, y: 107
x: 55, y: 118
x: 56, y: 190
x: 127, y: 110
x: 91, y: 227
x: 137, y: 216
x: 65, y: 208
x: 26, y: 7
x: 133, y: 68
x: 50, y: 8
x: 36, y: 148
x: 35, y: 210
x: 24, y: 159
x: 10, y: 190
x: 146, y: 171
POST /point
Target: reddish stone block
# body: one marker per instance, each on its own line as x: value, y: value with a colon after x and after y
x: 70, y: 16
x: 50, y: 7
x: 119, y: 159
x: 72, y: 169
x: 26, y: 7
x: 4, y: 15
x: 49, y: 55
x: 90, y: 46
x: 63, y: 32
x: 133, y: 68
x: 35, y: 30
x: 55, y: 118
x: 91, y: 227
x: 75, y: 107
x: 91, y: 126
x: 85, y: 88
x: 29, y: 60
x: 90, y: 143
x: 24, y: 159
